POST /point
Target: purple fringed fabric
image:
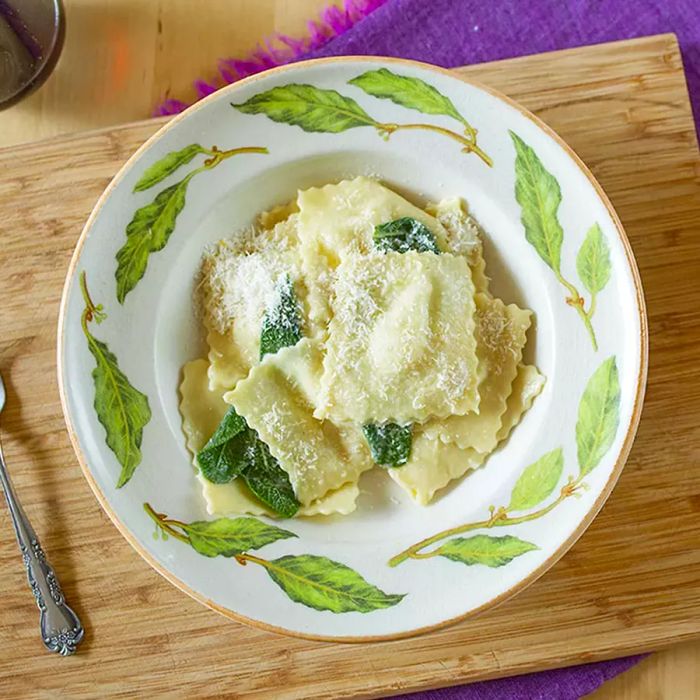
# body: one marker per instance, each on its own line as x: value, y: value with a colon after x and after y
x: 280, y: 49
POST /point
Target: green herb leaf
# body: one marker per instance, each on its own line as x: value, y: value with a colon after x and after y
x: 482, y: 549
x: 389, y: 444
x: 148, y: 232
x: 166, y: 166
x: 268, y: 481
x: 537, y: 191
x: 122, y: 409
x: 236, y: 450
x: 324, y: 584
x: 230, y: 536
x: 281, y: 325
x: 537, y: 481
x: 593, y: 260
x: 402, y: 235
x: 407, y: 92
x: 308, y: 107
x: 598, y: 416
x: 224, y: 456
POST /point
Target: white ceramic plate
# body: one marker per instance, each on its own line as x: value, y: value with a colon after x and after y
x: 553, y: 243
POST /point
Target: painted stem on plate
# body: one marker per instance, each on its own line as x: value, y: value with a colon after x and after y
x: 216, y: 156
x: 468, y: 143
x: 166, y: 524
x: 92, y: 311
x: 579, y: 303
x: 499, y: 518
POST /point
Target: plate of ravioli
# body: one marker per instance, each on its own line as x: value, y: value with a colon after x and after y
x: 353, y: 349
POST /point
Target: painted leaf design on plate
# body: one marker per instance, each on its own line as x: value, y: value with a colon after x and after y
x: 324, y: 584
x: 537, y: 481
x: 228, y: 537
x: 309, y: 108
x: 598, y: 416
x: 593, y: 260
x: 538, y: 194
x: 148, y: 232
x: 166, y: 166
x: 281, y: 324
x: 122, y: 409
x: 412, y: 93
x: 486, y: 550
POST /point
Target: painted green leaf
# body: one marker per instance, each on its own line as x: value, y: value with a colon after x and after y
x: 166, y: 166
x: 538, y: 194
x: 598, y: 416
x: 268, y: 481
x: 537, y: 481
x: 308, y: 107
x: 412, y: 93
x: 593, y: 260
x: 281, y: 324
x: 122, y: 409
x: 404, y: 234
x: 224, y: 456
x: 230, y: 536
x: 323, y: 584
x: 389, y: 444
x: 486, y: 550
x: 148, y: 232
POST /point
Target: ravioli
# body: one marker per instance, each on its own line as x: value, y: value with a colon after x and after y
x: 229, y: 361
x: 392, y: 332
x: 240, y: 281
x: 433, y: 464
x: 401, y: 344
x: 234, y: 497
x: 500, y: 338
x: 527, y: 386
x: 277, y: 400
x: 463, y: 237
x: 339, y: 220
x: 202, y: 410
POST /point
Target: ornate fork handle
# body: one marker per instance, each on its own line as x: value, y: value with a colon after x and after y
x: 61, y: 630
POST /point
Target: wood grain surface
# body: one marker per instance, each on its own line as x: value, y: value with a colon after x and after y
x: 632, y: 583
x: 122, y: 57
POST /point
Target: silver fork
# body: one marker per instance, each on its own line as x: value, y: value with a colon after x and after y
x: 61, y: 630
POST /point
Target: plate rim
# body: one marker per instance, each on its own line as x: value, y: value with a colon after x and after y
x: 583, y: 524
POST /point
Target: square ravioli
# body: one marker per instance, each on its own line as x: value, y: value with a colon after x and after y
x: 277, y: 399
x: 202, y: 409
x: 401, y: 343
x: 500, y: 339
x: 337, y: 220
x: 434, y: 463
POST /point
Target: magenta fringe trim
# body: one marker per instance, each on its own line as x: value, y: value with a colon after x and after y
x: 278, y: 50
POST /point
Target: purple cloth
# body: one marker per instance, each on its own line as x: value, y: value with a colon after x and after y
x: 453, y: 33
x: 561, y: 684
x: 457, y: 32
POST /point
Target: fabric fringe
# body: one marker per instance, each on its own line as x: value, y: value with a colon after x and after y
x: 278, y: 50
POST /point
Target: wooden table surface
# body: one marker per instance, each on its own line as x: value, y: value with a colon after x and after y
x: 122, y: 56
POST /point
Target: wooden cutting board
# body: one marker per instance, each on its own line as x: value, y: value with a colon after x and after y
x: 632, y: 583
